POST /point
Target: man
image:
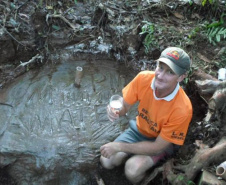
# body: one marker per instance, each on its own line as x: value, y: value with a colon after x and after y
x: 164, y: 110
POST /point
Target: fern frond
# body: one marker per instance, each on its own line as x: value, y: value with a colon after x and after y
x: 216, y: 34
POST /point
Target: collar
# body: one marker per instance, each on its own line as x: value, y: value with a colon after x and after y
x: 170, y: 96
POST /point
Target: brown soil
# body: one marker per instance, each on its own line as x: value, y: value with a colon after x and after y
x: 173, y: 25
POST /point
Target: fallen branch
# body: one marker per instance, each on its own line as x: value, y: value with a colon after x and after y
x: 75, y: 28
x: 21, y: 68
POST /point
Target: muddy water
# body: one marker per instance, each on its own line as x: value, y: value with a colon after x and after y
x: 51, y: 131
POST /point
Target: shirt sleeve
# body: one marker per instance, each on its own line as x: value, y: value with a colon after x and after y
x: 175, y: 130
x: 130, y: 92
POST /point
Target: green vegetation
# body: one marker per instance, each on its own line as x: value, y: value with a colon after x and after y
x: 183, y: 180
x: 148, y: 30
x: 215, y: 32
x: 40, y: 3
x: 204, y: 2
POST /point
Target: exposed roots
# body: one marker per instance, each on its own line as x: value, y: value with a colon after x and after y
x: 203, y: 157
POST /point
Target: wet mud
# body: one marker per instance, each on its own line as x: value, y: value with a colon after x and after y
x: 51, y: 130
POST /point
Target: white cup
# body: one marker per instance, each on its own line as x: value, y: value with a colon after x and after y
x: 116, y: 102
x: 221, y: 74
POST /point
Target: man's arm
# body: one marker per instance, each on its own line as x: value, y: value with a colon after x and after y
x: 140, y: 148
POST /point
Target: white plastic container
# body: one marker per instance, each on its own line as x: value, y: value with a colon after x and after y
x: 222, y: 74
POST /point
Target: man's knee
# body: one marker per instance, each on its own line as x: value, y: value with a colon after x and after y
x: 114, y: 160
x: 132, y: 171
x: 135, y: 168
x: 106, y: 163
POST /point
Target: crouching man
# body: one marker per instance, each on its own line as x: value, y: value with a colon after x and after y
x: 164, y: 114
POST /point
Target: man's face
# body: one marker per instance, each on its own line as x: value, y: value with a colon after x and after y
x: 165, y: 78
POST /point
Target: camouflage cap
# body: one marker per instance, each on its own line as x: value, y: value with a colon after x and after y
x: 177, y: 59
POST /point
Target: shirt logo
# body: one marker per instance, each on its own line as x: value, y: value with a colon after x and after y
x: 152, y: 125
x: 174, y: 54
x: 178, y: 135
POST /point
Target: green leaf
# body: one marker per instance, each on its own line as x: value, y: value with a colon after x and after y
x: 40, y: 3
x: 12, y: 5
x: 204, y: 2
x: 190, y: 183
x: 190, y: 2
x: 55, y: 27
x: 218, y: 38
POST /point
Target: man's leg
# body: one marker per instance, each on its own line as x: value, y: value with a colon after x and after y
x: 136, y: 167
x: 128, y: 137
x: 114, y: 160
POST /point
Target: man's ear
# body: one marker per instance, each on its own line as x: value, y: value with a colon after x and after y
x: 182, y: 77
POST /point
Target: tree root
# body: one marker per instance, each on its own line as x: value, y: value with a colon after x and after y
x: 201, y: 75
x: 203, y: 157
x: 152, y: 175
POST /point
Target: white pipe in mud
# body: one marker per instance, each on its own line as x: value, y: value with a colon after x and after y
x: 78, y: 76
x: 221, y: 170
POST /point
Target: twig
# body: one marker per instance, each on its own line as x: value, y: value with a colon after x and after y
x: 101, y: 19
x: 21, y: 68
x: 99, y: 180
x: 121, y: 10
x: 6, y: 104
x: 22, y: 5
x: 11, y: 35
x: 30, y: 61
x: 63, y: 18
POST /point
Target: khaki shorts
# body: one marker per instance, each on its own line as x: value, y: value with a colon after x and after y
x: 132, y: 135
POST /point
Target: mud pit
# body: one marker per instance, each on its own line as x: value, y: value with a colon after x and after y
x: 51, y: 131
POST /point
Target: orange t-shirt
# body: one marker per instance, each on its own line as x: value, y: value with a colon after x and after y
x: 170, y: 119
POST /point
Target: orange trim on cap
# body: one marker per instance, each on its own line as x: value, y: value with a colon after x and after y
x: 174, y: 54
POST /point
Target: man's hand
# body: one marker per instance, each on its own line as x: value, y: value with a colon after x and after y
x: 109, y: 149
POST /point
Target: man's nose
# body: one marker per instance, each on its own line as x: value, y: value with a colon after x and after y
x: 161, y: 74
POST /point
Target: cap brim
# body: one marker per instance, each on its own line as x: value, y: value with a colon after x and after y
x: 176, y: 69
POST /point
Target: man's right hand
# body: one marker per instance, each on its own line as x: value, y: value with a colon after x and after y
x: 110, y: 149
